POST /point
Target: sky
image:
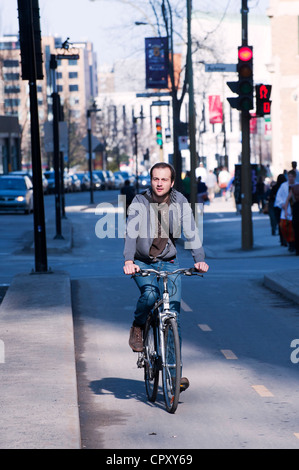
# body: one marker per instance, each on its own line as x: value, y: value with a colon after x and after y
x: 109, y: 24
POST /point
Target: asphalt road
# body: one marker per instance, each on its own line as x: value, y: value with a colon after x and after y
x: 236, y: 340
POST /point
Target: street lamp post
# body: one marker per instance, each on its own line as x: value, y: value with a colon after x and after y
x: 136, y: 150
x: 56, y: 112
x: 94, y: 109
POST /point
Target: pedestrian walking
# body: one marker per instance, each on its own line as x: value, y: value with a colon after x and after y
x: 223, y: 180
x: 211, y: 183
x: 129, y: 192
x: 201, y: 171
x: 274, y: 212
x: 187, y: 186
x: 286, y: 212
x: 202, y: 191
x: 294, y: 167
x: 293, y: 199
x: 260, y: 193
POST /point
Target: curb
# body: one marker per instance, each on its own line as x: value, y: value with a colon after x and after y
x: 39, y: 402
x: 284, y: 282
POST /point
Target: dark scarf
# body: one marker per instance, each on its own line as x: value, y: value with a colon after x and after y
x: 162, y: 213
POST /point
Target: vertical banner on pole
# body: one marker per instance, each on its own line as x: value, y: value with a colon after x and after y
x: 215, y: 109
x: 156, y: 62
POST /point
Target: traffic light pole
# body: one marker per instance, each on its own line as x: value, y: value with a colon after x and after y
x: 246, y: 184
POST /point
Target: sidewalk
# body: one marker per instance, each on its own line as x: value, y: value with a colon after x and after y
x: 39, y: 407
x: 285, y: 282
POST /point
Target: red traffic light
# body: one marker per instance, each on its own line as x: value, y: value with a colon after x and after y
x: 245, y: 53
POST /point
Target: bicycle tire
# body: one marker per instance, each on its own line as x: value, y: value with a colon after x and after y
x: 151, y: 367
x: 171, y: 370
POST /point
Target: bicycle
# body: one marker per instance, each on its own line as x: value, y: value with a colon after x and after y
x: 161, y: 344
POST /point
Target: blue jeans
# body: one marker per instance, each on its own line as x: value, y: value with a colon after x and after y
x: 150, y: 289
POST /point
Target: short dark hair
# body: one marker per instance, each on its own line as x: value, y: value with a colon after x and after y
x: 292, y: 172
x: 163, y: 165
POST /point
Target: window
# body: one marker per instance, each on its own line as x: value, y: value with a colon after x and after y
x: 11, y: 76
x: 59, y: 88
x: 8, y: 46
x: 58, y: 75
x: 73, y: 87
x: 10, y: 63
x: 73, y: 74
x: 11, y: 89
x: 73, y: 62
x: 11, y: 102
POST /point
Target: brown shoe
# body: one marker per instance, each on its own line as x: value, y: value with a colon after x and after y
x: 135, y: 340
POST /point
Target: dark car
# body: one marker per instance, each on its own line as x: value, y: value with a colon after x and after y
x: 110, y: 179
x: 16, y: 193
x: 84, y: 180
x: 76, y: 184
x: 50, y: 176
x: 126, y: 176
x: 101, y: 175
x: 144, y: 182
x: 29, y: 174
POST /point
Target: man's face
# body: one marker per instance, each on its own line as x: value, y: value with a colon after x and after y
x: 291, y: 179
x: 161, y: 181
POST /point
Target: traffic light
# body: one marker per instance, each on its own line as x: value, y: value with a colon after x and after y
x: 159, y: 138
x: 263, y: 103
x: 244, y: 86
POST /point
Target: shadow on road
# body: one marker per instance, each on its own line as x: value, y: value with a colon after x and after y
x: 124, y: 389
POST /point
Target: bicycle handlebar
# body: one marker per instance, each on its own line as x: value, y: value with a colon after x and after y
x: 186, y: 271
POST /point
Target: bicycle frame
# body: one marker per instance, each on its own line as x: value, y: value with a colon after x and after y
x: 164, y: 313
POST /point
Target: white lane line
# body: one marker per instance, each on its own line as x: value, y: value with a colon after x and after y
x: 262, y: 391
x: 204, y: 327
x: 185, y: 306
x: 228, y: 354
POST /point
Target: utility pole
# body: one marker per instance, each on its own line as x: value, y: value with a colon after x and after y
x: 56, y: 155
x: 136, y: 150
x: 93, y: 109
x: 246, y: 184
x: 193, y: 191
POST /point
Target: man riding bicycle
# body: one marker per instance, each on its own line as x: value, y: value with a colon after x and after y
x: 155, y: 219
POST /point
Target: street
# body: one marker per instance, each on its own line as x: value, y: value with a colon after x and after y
x: 236, y: 336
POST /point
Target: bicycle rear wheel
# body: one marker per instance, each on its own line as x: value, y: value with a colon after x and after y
x: 151, y: 367
x: 171, y: 370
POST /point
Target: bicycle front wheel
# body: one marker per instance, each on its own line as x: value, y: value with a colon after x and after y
x: 151, y: 367
x: 171, y: 370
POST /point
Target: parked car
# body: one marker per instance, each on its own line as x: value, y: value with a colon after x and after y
x: 68, y: 183
x: 84, y: 180
x: 144, y: 182
x: 110, y: 179
x: 102, y: 177
x: 29, y: 174
x: 97, y: 183
x: 119, y: 181
x: 126, y: 176
x: 16, y: 193
x: 76, y: 183
x: 50, y: 176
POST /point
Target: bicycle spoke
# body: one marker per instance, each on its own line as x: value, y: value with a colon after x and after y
x: 151, y: 370
x: 172, y: 367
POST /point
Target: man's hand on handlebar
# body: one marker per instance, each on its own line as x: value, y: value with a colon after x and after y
x: 131, y: 268
x: 202, y: 267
